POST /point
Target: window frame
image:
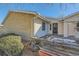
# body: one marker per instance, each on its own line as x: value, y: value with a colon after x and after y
x: 43, y: 26
x: 77, y: 26
x: 50, y: 26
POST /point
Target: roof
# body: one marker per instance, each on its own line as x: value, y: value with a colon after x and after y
x: 20, y: 11
x: 38, y: 14
x: 24, y: 11
x: 71, y: 15
x: 49, y: 19
x: 45, y: 18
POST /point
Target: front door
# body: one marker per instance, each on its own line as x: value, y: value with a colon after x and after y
x: 55, y: 28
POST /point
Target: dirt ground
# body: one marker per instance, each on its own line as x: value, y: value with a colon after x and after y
x: 27, y: 51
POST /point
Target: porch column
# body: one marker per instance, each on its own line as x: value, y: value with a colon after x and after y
x: 65, y: 29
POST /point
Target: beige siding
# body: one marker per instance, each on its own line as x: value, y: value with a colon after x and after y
x: 20, y: 23
x: 71, y: 27
x: 72, y: 24
x: 60, y: 28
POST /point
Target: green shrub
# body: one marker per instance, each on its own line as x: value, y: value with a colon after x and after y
x: 11, y: 45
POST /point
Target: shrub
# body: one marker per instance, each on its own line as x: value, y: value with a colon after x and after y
x: 11, y: 45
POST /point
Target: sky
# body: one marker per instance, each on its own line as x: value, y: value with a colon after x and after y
x: 55, y: 10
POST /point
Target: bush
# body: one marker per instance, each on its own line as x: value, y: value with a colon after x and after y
x: 11, y: 45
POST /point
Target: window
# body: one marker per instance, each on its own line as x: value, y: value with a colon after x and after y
x: 43, y: 26
x: 50, y: 26
x: 78, y: 26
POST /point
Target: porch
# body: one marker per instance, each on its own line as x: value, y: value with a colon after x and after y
x: 65, y: 28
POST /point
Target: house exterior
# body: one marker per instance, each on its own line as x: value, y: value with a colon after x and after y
x: 28, y: 24
x: 71, y: 25
x: 31, y: 24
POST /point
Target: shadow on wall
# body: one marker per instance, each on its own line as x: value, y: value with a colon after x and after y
x: 40, y: 32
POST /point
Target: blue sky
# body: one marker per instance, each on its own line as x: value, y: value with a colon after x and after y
x: 45, y: 9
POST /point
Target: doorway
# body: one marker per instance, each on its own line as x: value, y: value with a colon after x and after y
x: 55, y: 28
